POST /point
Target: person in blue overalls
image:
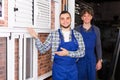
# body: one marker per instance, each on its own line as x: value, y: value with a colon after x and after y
x: 67, y: 46
x: 88, y: 65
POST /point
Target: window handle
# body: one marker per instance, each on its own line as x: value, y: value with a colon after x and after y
x: 15, y: 9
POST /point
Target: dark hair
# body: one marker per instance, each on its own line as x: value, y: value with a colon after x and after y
x: 88, y: 10
x: 64, y: 12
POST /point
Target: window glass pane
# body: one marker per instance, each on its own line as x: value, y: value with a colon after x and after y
x: 3, y: 58
x: 29, y: 58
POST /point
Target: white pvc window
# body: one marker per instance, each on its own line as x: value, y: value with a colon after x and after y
x: 43, y: 14
x: 29, y: 58
x: 17, y: 46
x: 7, y: 59
x: 21, y: 60
x: 23, y: 13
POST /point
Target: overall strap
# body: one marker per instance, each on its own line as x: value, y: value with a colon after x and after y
x: 73, y: 37
x: 60, y: 35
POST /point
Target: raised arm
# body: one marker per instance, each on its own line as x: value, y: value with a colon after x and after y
x: 42, y: 47
x: 32, y: 32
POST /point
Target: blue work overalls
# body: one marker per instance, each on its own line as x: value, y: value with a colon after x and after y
x: 87, y: 65
x: 64, y: 67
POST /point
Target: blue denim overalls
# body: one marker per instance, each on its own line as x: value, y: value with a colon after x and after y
x: 87, y: 65
x: 64, y: 67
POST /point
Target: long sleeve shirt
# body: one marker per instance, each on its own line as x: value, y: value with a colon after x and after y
x: 53, y: 41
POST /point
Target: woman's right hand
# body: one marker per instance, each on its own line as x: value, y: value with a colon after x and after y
x: 32, y: 32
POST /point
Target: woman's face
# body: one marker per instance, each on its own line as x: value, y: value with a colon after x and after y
x: 86, y: 18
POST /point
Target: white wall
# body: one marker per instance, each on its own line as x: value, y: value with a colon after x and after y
x: 71, y: 9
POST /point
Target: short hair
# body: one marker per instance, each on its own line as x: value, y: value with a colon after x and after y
x: 88, y: 10
x: 64, y: 12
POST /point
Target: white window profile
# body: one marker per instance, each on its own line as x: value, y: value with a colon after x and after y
x: 30, y: 58
x: 71, y: 9
x: 57, y: 13
x: 23, y: 13
x: 42, y: 15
